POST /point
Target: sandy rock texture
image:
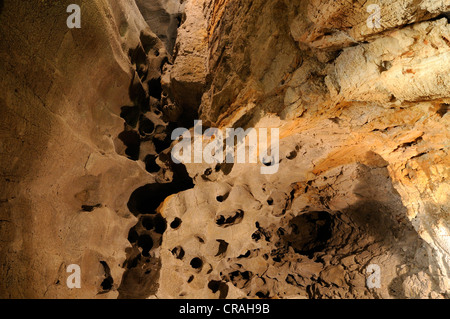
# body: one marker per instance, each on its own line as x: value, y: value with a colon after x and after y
x: 87, y: 176
x: 65, y: 184
x: 363, y: 175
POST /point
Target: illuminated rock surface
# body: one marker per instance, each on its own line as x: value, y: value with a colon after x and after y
x: 87, y: 177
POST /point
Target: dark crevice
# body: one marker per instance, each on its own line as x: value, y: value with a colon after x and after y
x: 90, y: 208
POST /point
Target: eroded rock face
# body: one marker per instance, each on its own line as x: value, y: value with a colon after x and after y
x: 362, y: 114
x: 88, y: 178
x: 64, y: 187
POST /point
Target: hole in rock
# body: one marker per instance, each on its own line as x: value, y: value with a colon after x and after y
x: 262, y: 295
x: 147, y: 223
x: 221, y: 198
x: 223, y: 246
x: 226, y: 168
x: 162, y: 143
x: 222, y: 287
x: 384, y: 66
x: 226, y: 221
x: 146, y: 243
x: 175, y: 223
x: 196, y: 263
x: 292, y: 155
x: 179, y: 18
x: 132, y: 141
x: 108, y: 282
x: 147, y: 198
x: 130, y: 114
x: 160, y: 224
x: 259, y: 233
x: 200, y: 239
x: 146, y: 126
x: 150, y: 164
x: 214, y: 285
x: 246, y: 255
x: 178, y: 252
x: 240, y: 279
x: 154, y: 88
x: 133, y: 235
x: 443, y: 109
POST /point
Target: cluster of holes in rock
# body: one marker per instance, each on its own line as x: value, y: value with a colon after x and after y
x: 197, y: 263
x: 308, y: 234
x: 311, y: 234
x: 147, y: 127
x: 318, y: 236
x: 145, y: 122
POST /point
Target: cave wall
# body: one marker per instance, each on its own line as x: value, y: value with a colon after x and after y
x: 86, y: 172
x: 64, y: 187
